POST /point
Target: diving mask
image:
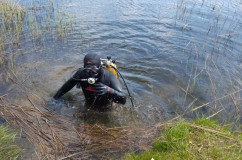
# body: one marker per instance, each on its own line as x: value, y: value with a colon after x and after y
x: 91, y: 70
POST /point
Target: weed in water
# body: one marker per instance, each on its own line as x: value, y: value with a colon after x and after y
x: 7, y: 149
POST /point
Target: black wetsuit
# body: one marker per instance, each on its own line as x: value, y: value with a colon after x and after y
x: 105, y: 77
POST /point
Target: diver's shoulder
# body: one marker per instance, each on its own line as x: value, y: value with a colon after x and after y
x: 79, y: 72
x: 108, y: 73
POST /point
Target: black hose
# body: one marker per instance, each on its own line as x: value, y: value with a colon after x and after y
x: 125, y: 86
x: 71, y: 76
x: 120, y: 76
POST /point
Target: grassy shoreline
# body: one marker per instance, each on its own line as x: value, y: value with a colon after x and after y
x: 201, y: 138
x: 198, y: 139
x: 7, y: 149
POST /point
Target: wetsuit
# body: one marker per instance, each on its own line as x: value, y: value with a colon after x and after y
x: 107, y: 88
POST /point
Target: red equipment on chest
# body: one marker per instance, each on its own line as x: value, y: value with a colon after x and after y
x: 90, y: 88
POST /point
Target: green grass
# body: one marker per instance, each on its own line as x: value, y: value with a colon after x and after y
x: 18, y: 22
x: 10, y: 21
x: 7, y: 149
x: 200, y: 139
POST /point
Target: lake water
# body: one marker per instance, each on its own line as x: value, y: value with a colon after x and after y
x: 160, y: 47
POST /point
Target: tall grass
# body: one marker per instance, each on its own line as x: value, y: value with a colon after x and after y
x: 182, y: 139
x: 34, y: 23
x: 208, y: 78
x: 11, y: 21
x: 11, y: 27
x: 202, y: 138
x: 7, y: 149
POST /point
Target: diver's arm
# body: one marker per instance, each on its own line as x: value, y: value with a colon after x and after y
x: 65, y: 88
x: 118, y: 96
x: 69, y: 84
x: 116, y: 92
x: 114, y: 89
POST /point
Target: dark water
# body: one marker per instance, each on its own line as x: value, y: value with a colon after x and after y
x: 159, y: 47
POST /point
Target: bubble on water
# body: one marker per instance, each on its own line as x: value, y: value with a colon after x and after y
x: 56, y: 105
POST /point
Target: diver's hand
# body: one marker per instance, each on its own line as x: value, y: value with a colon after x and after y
x: 102, y: 89
x: 55, y: 104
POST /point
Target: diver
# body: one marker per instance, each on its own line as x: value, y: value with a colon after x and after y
x: 100, y: 86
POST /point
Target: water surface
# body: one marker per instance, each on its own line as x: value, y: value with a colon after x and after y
x: 160, y: 47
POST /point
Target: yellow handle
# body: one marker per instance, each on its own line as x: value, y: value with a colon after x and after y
x: 112, y: 69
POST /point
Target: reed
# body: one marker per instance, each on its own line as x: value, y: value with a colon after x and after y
x: 219, y: 41
x: 11, y: 28
x: 55, y: 137
x: 18, y: 22
x: 8, y: 149
x: 63, y: 24
x: 58, y: 138
x: 11, y: 16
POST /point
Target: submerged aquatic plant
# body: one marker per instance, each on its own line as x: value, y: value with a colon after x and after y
x: 11, y: 27
x: 11, y: 21
x: 32, y: 24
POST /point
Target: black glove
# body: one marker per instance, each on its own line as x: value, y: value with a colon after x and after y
x: 102, y: 89
x: 55, y: 105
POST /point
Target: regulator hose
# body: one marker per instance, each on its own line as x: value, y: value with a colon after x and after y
x: 120, y: 76
x: 125, y: 86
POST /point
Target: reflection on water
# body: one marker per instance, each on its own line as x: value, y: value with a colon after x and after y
x: 160, y: 47
x: 174, y: 55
